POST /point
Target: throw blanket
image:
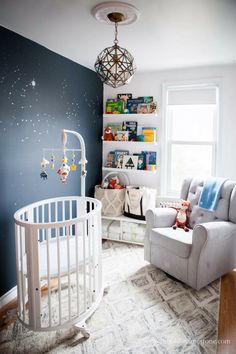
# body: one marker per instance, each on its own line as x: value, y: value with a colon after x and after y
x: 211, y: 193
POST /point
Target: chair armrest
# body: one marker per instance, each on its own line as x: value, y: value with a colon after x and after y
x: 212, y: 253
x: 215, y: 231
x: 160, y: 217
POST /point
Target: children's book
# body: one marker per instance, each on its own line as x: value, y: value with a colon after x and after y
x: 122, y: 136
x: 146, y: 99
x: 110, y: 159
x: 115, y: 127
x: 130, y: 162
x: 141, y: 161
x: 131, y: 127
x: 114, y: 107
x: 151, y: 157
x: 152, y: 107
x: 143, y: 108
x: 149, y: 134
x: 132, y: 104
x: 124, y: 96
x: 119, y: 156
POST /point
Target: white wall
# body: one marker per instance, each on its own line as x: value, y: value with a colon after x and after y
x: 150, y: 84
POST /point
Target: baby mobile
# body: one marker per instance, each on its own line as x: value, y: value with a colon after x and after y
x: 65, y: 168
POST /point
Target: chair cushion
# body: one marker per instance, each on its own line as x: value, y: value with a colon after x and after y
x: 176, y: 241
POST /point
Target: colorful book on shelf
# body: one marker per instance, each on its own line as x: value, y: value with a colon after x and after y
x: 130, y: 162
x: 146, y: 99
x: 143, y: 108
x: 132, y: 104
x: 114, y: 107
x: 131, y: 127
x: 124, y: 97
x: 151, y: 160
x: 119, y: 157
x: 149, y: 134
x: 152, y: 107
x: 115, y: 127
x: 141, y: 161
x: 122, y: 135
x: 147, y: 108
x: 110, y: 162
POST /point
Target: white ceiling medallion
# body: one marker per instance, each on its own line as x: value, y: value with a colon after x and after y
x: 101, y: 11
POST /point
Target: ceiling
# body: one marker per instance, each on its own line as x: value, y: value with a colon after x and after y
x: 169, y: 34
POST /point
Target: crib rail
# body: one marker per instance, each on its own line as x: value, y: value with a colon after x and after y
x: 58, y: 255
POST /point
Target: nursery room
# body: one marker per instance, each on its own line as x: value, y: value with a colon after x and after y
x: 118, y: 181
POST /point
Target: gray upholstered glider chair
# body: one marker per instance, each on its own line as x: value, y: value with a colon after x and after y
x: 204, y: 253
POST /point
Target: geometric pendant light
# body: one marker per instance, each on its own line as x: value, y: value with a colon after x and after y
x: 115, y: 65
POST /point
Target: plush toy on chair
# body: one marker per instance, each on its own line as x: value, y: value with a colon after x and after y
x: 182, y: 216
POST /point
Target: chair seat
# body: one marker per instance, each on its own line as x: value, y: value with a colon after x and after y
x: 177, y: 241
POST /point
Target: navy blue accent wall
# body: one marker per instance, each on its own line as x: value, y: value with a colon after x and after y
x: 41, y: 93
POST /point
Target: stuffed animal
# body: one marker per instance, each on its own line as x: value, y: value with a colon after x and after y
x: 108, y: 135
x: 182, y: 216
x: 114, y: 183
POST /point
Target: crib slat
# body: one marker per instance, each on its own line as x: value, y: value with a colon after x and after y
x: 89, y: 260
x: 43, y: 221
x: 56, y: 211
x: 68, y: 270
x: 49, y: 212
x: 19, y: 283
x: 49, y: 278
x: 77, y: 266
x: 99, y: 249
x: 70, y: 216
x: 36, y: 214
x: 22, y: 273
x: 59, y: 274
x: 63, y: 218
x: 84, y: 262
x: 49, y: 220
x: 94, y: 235
x: 33, y: 280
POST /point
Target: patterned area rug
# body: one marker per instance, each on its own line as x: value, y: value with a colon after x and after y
x: 143, y: 312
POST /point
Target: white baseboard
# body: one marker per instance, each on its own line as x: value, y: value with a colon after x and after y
x: 8, y: 297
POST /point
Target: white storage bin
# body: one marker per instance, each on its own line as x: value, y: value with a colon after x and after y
x: 114, y: 230
x: 139, y: 238
x: 105, y: 227
x: 134, y: 227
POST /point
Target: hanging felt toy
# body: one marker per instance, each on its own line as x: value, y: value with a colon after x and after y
x: 73, y: 165
x: 44, y: 164
x: 64, y: 170
x: 52, y: 161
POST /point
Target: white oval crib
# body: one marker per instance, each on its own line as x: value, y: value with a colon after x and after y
x: 58, y: 257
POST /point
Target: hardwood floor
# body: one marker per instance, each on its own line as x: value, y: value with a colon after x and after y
x: 5, y: 320
x: 8, y: 312
x: 227, y: 315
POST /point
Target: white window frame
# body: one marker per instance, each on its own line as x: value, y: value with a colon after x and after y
x: 166, y: 144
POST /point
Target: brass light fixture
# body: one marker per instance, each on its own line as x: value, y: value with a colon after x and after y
x: 115, y: 65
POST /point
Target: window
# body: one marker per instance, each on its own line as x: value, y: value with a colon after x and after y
x: 190, y: 134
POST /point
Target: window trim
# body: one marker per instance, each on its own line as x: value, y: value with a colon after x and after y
x: 216, y: 144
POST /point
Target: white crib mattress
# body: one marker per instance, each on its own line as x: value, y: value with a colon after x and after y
x: 63, y: 255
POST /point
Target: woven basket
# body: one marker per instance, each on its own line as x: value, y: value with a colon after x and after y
x: 112, y: 199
